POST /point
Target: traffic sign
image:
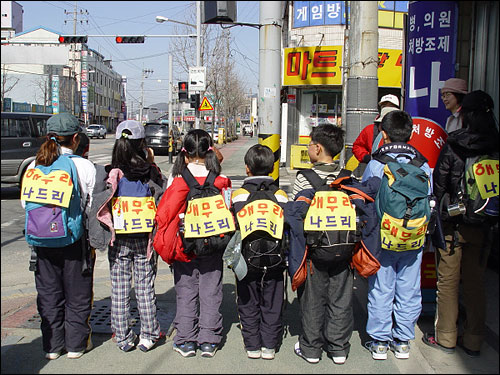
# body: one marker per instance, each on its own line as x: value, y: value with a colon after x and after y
x: 205, y: 105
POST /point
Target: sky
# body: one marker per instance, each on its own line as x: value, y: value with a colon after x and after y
x: 138, y: 18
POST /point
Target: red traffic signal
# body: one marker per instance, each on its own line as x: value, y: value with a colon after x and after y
x: 130, y: 39
x: 72, y: 39
x: 183, y: 91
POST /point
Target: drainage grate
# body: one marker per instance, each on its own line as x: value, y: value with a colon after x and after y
x: 100, y: 318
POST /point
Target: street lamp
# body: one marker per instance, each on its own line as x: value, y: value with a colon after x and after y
x: 161, y: 19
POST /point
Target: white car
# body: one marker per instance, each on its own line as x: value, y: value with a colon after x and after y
x: 96, y: 130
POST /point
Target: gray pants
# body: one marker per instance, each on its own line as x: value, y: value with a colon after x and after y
x: 326, y: 306
x: 198, y: 285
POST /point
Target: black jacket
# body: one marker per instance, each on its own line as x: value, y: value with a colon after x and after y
x: 460, y: 145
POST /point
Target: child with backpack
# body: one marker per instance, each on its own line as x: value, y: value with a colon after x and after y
x: 258, y: 207
x: 125, y: 199
x: 403, y: 210
x: 55, y: 190
x: 325, y: 297
x: 184, y: 241
x: 466, y: 188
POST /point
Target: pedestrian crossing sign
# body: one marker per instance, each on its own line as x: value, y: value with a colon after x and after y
x: 205, y: 105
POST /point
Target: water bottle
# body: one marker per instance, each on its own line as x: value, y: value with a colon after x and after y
x: 181, y: 223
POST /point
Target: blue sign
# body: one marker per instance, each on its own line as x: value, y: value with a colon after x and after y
x: 430, y: 57
x: 317, y: 13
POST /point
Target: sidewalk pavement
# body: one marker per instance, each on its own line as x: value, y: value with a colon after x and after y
x: 21, y: 348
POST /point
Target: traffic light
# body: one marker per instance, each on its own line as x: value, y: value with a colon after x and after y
x: 130, y: 39
x: 183, y: 91
x: 195, y: 101
x: 72, y: 39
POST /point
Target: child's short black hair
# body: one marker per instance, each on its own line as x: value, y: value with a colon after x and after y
x: 260, y: 160
x: 329, y: 136
x: 398, y: 125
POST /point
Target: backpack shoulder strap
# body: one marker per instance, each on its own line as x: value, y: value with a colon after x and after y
x: 313, y: 178
x: 417, y: 161
x: 384, y: 159
x: 210, y: 180
x: 189, y: 178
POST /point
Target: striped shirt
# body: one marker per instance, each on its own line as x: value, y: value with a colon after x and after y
x: 324, y: 170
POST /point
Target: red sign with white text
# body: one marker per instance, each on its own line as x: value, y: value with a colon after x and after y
x: 428, y: 137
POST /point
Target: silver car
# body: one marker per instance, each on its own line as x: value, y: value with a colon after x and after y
x: 96, y: 130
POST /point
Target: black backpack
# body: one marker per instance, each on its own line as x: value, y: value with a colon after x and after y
x: 262, y: 251
x: 337, y: 244
x: 208, y: 223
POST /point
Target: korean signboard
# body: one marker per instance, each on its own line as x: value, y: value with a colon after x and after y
x: 315, y: 13
x: 430, y: 61
x: 321, y: 66
x: 55, y: 94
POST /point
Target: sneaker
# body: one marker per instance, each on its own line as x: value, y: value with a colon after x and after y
x: 470, y: 353
x: 268, y: 353
x: 146, y: 344
x: 54, y: 355
x: 76, y: 355
x: 339, y: 360
x: 378, y: 349
x: 401, y: 349
x: 208, y: 350
x: 188, y: 349
x: 254, y: 354
x: 430, y: 339
x: 299, y: 353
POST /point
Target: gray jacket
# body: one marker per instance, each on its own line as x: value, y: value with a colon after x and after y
x: 101, y: 230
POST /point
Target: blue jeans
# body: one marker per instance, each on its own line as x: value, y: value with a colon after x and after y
x: 395, y: 290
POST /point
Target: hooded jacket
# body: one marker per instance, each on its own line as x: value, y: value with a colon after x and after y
x: 460, y: 145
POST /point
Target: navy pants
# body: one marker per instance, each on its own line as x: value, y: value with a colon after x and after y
x: 260, y: 303
x: 325, y: 301
x: 64, y: 298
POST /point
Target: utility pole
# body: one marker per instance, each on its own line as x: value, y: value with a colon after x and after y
x: 145, y: 74
x: 270, y: 78
x: 362, y: 84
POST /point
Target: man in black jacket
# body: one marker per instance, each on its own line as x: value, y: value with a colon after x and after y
x: 466, y: 244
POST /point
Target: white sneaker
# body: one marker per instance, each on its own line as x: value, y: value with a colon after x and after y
x: 254, y: 354
x: 299, y: 353
x: 339, y: 360
x: 267, y: 353
x: 146, y: 344
x: 76, y: 355
x: 52, y: 355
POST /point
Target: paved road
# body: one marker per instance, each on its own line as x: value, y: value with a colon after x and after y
x: 21, y: 338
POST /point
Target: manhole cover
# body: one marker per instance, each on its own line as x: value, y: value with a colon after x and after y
x: 100, y: 318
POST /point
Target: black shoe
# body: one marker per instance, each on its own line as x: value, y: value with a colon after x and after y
x: 208, y: 350
x: 470, y: 353
x: 430, y: 339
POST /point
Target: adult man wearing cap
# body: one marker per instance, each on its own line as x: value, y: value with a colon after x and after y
x: 370, y: 137
x: 452, y: 94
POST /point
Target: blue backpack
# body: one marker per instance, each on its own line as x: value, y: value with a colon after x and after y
x: 402, y: 204
x: 133, y: 208
x: 53, y: 212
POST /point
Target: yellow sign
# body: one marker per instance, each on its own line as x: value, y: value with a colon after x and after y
x: 486, y: 175
x: 330, y: 210
x: 261, y: 214
x: 205, y: 105
x: 312, y: 66
x: 321, y: 66
x: 207, y: 217
x: 54, y: 188
x: 390, y: 67
x: 133, y: 214
x: 395, y: 237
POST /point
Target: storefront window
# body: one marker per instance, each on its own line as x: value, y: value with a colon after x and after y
x: 319, y: 107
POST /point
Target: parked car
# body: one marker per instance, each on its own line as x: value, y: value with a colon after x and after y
x: 157, y: 137
x: 22, y: 135
x: 96, y: 130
